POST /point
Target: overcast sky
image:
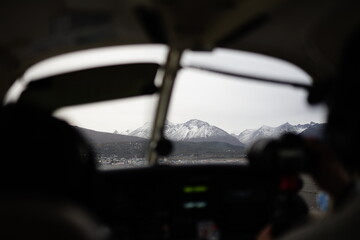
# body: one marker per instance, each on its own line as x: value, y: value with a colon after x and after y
x: 237, y: 104
x: 230, y: 103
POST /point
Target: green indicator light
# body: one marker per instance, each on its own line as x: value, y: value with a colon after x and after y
x: 188, y: 189
x: 195, y: 189
x: 200, y: 189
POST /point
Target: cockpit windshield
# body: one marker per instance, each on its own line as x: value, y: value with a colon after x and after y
x: 212, y: 118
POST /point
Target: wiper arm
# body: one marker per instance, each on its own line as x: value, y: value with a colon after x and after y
x: 252, y: 77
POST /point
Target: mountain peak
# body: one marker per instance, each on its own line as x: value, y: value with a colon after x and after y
x: 193, y: 130
x: 287, y: 127
x: 196, y: 122
x: 264, y: 127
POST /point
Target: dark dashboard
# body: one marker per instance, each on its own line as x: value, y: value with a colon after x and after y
x: 186, y: 202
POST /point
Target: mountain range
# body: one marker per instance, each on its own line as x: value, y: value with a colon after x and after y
x: 96, y: 137
x: 249, y: 136
x: 117, y: 147
x: 194, y: 139
x: 199, y: 131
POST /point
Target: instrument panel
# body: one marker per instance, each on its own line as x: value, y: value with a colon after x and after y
x: 186, y: 202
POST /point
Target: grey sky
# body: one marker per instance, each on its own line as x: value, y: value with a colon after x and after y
x: 237, y: 104
x: 229, y: 103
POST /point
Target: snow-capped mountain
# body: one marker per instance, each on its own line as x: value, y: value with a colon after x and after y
x: 143, y: 131
x: 251, y: 135
x: 193, y: 131
x: 199, y: 131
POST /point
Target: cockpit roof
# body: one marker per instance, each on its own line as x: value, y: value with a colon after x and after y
x: 310, y: 34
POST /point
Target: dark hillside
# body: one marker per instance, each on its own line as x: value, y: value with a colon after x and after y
x: 110, y: 147
x: 103, y: 137
x: 316, y: 131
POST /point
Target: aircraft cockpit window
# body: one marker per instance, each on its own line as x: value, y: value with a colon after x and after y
x: 109, y: 127
x: 214, y: 118
x: 67, y: 82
